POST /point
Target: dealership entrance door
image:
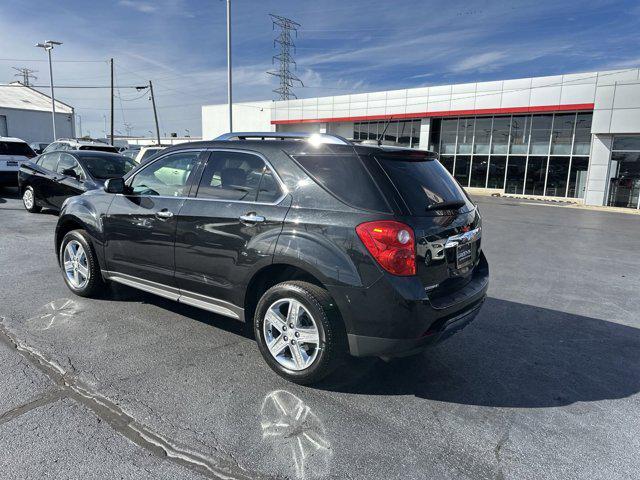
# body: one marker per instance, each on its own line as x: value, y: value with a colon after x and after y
x: 624, y: 185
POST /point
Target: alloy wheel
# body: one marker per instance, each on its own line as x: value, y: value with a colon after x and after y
x: 291, y: 334
x: 76, y: 265
x: 27, y: 198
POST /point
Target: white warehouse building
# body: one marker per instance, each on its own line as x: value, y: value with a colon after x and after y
x: 574, y: 136
x: 25, y: 113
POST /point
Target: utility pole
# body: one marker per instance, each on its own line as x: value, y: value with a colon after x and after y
x: 26, y: 74
x: 112, y: 113
x: 229, y: 83
x: 284, y: 58
x: 79, y: 117
x: 155, y: 112
x: 48, y: 46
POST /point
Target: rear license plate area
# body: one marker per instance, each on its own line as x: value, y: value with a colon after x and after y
x: 464, y: 255
x: 12, y: 163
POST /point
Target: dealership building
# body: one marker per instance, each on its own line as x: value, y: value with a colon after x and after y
x: 574, y: 137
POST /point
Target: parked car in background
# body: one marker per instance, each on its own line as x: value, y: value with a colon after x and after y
x: 55, y: 176
x: 39, y: 147
x: 130, y: 152
x: 146, y: 153
x: 64, y: 144
x: 320, y: 243
x: 13, y: 153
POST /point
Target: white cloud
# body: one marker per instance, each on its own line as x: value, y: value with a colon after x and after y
x: 143, y: 7
x: 477, y: 62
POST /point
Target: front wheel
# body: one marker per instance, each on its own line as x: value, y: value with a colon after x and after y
x: 299, y: 331
x: 79, y: 264
x: 29, y: 200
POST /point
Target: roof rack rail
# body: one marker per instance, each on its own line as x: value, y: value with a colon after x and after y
x: 310, y: 137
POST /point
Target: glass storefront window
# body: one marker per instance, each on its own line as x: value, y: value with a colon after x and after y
x: 536, y: 172
x: 557, y: 176
x: 415, y: 134
x: 582, y: 141
x: 503, y: 146
x: 447, y: 162
x: 448, y: 135
x: 404, y: 133
x: 390, y: 130
x: 463, y: 162
x: 479, y: 171
x: 540, y: 134
x: 482, y: 138
x: 624, y: 186
x: 578, y: 177
x: 562, y: 134
x: 465, y: 135
x: 627, y: 144
x: 500, y: 138
x: 496, y: 171
x: 515, y: 175
x: 520, y: 131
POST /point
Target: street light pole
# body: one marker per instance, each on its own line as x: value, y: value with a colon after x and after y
x: 48, y: 46
x: 229, y: 85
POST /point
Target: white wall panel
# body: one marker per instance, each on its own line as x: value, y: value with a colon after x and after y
x: 464, y: 88
x: 585, y: 78
x: 625, y: 121
x: 601, y: 121
x: 463, y: 101
x: 578, y: 93
x: 613, y: 76
x: 439, y: 103
x: 604, y: 97
x: 627, y: 95
x: 545, y: 95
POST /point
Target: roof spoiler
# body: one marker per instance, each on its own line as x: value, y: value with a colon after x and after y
x: 315, y: 138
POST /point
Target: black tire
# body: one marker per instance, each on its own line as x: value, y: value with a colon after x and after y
x: 95, y: 285
x: 332, y: 336
x: 34, y: 208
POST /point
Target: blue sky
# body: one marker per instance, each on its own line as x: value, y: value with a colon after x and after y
x: 342, y: 47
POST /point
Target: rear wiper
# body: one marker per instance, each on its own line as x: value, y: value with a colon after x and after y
x: 452, y: 205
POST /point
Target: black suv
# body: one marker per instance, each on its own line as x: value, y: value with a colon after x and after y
x: 326, y: 246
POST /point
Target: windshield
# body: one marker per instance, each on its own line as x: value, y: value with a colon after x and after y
x: 422, y: 182
x: 16, y: 148
x: 148, y: 152
x: 103, y: 167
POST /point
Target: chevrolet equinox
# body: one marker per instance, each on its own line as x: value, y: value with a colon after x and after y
x: 328, y: 247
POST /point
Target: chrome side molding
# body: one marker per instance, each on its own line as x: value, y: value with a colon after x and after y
x: 197, y: 300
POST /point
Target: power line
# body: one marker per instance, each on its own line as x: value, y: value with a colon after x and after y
x: 54, y: 61
x: 284, y: 58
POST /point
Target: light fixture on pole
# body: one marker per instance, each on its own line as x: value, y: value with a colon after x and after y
x: 48, y: 46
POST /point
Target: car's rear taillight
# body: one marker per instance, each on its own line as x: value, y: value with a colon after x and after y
x: 392, y: 244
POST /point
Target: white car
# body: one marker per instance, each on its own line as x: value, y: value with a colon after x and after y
x: 146, y: 153
x: 13, y: 153
x: 74, y: 144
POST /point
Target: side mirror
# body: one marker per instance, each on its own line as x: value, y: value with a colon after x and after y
x: 70, y: 172
x: 114, y: 185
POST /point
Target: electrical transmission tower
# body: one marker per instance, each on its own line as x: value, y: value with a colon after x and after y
x: 26, y: 74
x: 284, y: 58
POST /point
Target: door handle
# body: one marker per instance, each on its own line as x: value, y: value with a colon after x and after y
x: 251, y: 218
x: 164, y: 214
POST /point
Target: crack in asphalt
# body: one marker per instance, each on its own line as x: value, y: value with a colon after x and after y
x: 69, y: 386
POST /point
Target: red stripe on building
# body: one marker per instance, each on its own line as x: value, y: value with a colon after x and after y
x: 450, y: 113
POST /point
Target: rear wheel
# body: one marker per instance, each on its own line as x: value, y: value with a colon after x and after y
x: 29, y: 200
x: 299, y: 331
x: 79, y: 264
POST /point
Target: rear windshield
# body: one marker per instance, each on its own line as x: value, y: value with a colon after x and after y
x: 99, y: 148
x: 16, y: 148
x: 422, y: 182
x: 346, y: 178
x: 102, y: 167
x: 148, y: 152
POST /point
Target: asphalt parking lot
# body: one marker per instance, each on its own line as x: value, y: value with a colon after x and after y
x: 543, y: 385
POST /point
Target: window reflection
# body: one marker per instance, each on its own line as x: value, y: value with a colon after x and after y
x: 483, y: 134
x: 463, y: 162
x: 500, y: 138
x: 562, y: 134
x: 536, y: 172
x: 515, y: 175
x: 557, y: 176
x: 540, y: 134
x: 497, y: 166
x: 479, y: 171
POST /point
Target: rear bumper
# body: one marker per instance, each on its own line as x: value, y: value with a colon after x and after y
x: 364, y: 346
x: 395, y: 317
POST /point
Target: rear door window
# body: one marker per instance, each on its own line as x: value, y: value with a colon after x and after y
x: 422, y: 181
x: 238, y: 177
x: 346, y: 178
x: 68, y: 163
x: 16, y: 148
